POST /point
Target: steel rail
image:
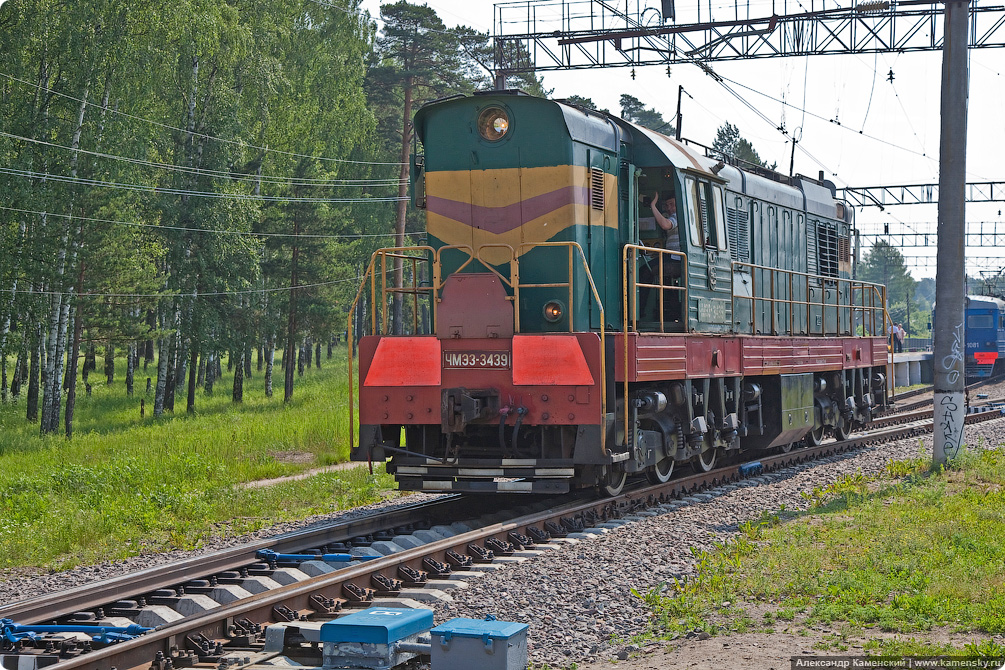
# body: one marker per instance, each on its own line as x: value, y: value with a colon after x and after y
x: 98, y: 594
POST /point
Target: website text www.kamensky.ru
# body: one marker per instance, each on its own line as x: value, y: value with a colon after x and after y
x: 896, y: 662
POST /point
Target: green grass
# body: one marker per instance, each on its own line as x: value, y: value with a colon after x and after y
x: 904, y: 558
x: 126, y: 484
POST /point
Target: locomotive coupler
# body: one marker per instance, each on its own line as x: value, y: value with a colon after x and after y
x: 461, y: 406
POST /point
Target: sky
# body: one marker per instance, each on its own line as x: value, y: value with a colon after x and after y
x: 857, y: 126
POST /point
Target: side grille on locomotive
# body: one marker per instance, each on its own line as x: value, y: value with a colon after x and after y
x: 597, y: 188
x: 827, y: 249
x: 739, y: 233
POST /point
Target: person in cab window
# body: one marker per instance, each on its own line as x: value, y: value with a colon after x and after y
x: 667, y: 219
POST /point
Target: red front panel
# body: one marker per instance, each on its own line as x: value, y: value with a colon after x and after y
x: 555, y: 377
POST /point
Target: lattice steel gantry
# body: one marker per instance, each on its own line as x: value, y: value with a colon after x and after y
x: 543, y: 35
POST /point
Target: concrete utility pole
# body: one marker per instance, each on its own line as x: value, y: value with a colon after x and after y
x: 950, y: 288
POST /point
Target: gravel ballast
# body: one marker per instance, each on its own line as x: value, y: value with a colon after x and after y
x: 578, y: 599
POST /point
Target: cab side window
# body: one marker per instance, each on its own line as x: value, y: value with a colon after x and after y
x: 705, y: 213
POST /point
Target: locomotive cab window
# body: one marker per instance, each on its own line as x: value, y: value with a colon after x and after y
x: 706, y: 221
x: 720, y: 217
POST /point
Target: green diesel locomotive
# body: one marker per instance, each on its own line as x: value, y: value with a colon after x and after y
x: 564, y: 327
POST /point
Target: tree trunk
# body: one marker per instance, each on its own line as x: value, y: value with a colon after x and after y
x: 290, y: 352
x: 210, y: 373
x: 131, y: 356
x: 270, y: 352
x: 301, y: 356
x: 162, y: 373
x: 8, y: 312
x: 31, y: 409
x: 181, y: 358
x: 193, y: 373
x: 238, y: 394
x: 260, y: 356
x: 175, y: 345
x: 51, y: 394
x: 317, y: 354
x: 399, y: 224
x: 109, y: 362
x: 71, y: 375
x: 91, y: 359
x: 70, y: 328
x: 148, y: 348
x: 201, y: 379
x: 20, y: 370
x: 309, y: 352
x: 57, y: 336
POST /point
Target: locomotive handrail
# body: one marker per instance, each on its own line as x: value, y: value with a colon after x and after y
x: 396, y: 252
x: 393, y: 252
x: 514, y: 268
x: 438, y: 265
x: 438, y: 283
x: 789, y: 276
x: 634, y: 249
x: 491, y: 267
x: 874, y: 291
x: 660, y: 254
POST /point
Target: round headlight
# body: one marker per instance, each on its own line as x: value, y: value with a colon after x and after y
x: 493, y: 123
x: 553, y: 311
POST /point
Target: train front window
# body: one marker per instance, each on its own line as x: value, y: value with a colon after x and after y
x: 980, y: 321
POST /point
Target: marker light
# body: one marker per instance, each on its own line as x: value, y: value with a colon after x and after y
x: 553, y: 311
x: 493, y: 123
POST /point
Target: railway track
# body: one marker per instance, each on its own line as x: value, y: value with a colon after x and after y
x: 900, y: 408
x: 234, y: 633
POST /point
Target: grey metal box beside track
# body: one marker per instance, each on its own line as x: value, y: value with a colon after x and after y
x: 463, y: 644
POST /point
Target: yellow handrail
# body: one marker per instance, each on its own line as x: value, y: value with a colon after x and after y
x: 407, y: 253
x: 600, y: 305
x: 395, y: 252
x: 789, y: 276
x: 631, y: 306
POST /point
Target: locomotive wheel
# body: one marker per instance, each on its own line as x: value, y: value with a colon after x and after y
x: 705, y: 460
x: 842, y: 429
x: 786, y: 448
x: 816, y: 434
x: 661, y: 472
x: 612, y: 481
